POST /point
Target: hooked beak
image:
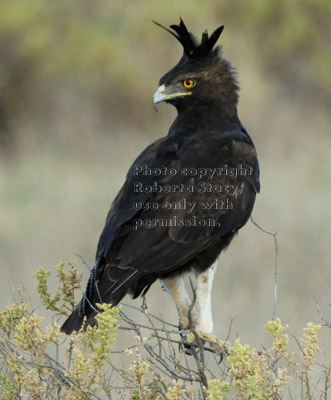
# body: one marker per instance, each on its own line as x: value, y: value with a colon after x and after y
x: 159, y: 96
x: 164, y: 93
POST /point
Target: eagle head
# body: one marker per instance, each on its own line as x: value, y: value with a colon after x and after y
x: 202, y: 75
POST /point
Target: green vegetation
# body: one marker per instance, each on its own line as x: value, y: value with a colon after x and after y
x: 69, y: 282
x: 28, y: 371
x: 80, y: 369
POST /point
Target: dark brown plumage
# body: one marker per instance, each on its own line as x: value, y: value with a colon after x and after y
x: 207, y: 134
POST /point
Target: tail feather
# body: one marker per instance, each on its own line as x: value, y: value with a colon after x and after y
x: 106, y: 291
x: 74, y: 322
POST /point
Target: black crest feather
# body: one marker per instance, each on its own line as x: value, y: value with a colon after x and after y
x: 192, y: 49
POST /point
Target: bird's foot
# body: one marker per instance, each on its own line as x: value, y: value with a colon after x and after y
x: 191, y: 338
x: 184, y: 322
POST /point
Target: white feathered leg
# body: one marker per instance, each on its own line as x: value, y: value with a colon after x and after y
x: 202, y: 315
x: 203, y: 299
x: 204, y: 326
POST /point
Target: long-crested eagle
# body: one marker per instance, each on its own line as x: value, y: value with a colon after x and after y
x: 186, y: 195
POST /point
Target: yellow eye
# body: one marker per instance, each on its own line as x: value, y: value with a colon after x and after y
x: 188, y: 83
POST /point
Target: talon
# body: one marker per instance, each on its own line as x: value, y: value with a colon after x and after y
x: 189, y: 340
x: 183, y: 345
x: 220, y: 349
x: 218, y: 346
x: 182, y: 342
x: 209, y: 338
x: 212, y: 340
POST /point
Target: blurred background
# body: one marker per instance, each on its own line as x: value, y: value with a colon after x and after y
x: 76, y: 86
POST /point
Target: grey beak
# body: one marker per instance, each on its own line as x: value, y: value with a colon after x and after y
x: 159, y: 96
